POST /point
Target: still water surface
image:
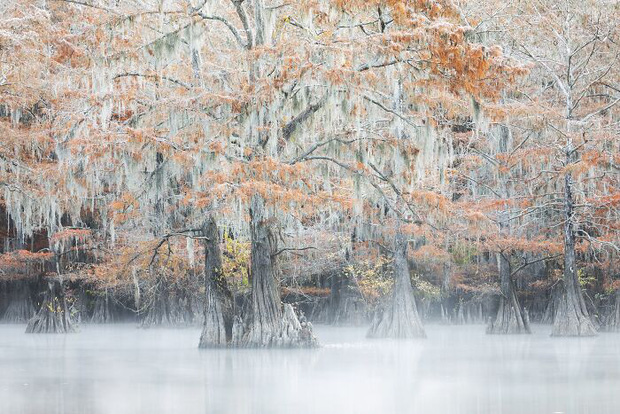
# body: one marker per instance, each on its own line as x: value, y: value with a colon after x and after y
x: 119, y: 369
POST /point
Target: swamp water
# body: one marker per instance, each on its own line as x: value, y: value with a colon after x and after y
x: 118, y: 369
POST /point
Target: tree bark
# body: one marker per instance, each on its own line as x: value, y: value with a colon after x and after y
x: 446, y: 294
x: 571, y: 318
x: 510, y: 318
x: 54, y: 315
x: 270, y: 324
x: 399, y: 318
x: 613, y: 321
x: 218, y: 320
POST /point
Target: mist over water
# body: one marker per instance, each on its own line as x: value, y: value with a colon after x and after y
x: 118, y: 369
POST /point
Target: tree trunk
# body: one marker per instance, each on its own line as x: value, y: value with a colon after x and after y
x: 137, y: 296
x: 20, y: 308
x: 79, y: 308
x: 510, y: 318
x: 54, y: 315
x: 218, y: 313
x: 102, y: 312
x: 445, y: 317
x: 460, y: 315
x: 553, y: 304
x: 571, y: 318
x: 399, y: 318
x: 269, y: 324
x: 446, y: 293
x: 613, y: 321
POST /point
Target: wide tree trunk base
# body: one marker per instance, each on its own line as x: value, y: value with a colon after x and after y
x: 396, y: 324
x: 217, y: 328
x: 218, y: 305
x: 54, y: 315
x: 351, y: 311
x: 213, y: 333
x: 102, y: 313
x: 268, y: 324
x: 290, y: 332
x: 399, y: 318
x: 509, y: 320
x: 571, y: 321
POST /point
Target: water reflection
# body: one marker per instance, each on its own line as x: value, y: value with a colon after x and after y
x: 458, y: 369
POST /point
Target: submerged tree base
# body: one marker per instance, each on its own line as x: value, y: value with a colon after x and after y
x: 217, y: 327
x: 290, y: 332
x: 510, y: 319
x: 267, y: 323
x: 571, y: 321
x: 396, y: 324
x: 571, y: 317
x: 102, y: 312
x: 399, y: 318
x: 218, y: 313
x: 54, y: 315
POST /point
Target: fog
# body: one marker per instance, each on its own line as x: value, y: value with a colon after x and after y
x: 118, y: 369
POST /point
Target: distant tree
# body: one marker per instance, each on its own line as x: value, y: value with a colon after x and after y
x: 562, y: 126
